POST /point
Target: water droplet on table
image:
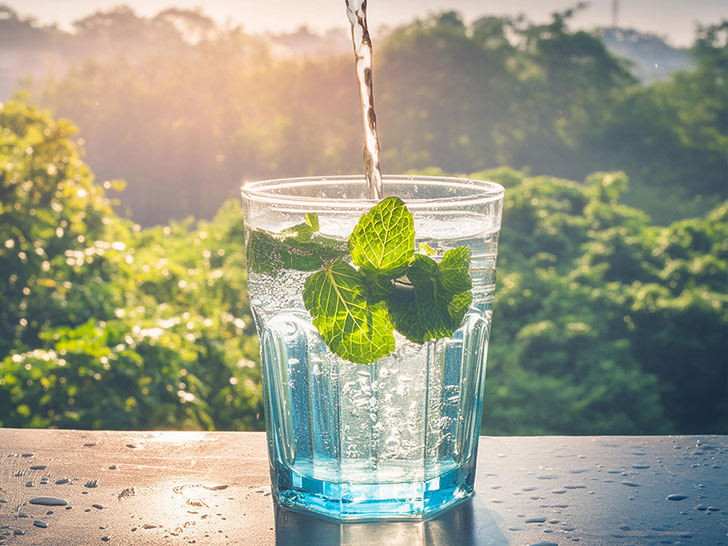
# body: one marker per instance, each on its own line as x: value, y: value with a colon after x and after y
x: 215, y: 487
x: 49, y: 501
x: 676, y: 497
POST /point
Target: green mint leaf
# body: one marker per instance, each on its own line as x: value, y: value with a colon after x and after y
x: 297, y: 247
x: 352, y: 327
x: 455, y: 270
x: 427, y: 250
x: 312, y: 220
x: 434, y: 302
x: 300, y: 232
x: 383, y: 241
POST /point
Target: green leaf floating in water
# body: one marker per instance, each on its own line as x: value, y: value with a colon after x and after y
x: 434, y: 303
x: 313, y: 221
x: 384, y: 239
x: 454, y: 270
x: 300, y: 247
x: 351, y: 326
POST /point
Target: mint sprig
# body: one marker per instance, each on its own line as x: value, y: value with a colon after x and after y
x: 356, y: 311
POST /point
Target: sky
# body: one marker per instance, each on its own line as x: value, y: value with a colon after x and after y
x: 673, y: 19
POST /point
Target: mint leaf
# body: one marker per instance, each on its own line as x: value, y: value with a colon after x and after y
x: 297, y: 247
x: 352, y: 327
x: 384, y: 239
x: 455, y: 270
x: 434, y: 302
x: 313, y: 220
x: 427, y: 250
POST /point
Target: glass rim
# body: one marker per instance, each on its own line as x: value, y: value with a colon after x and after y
x: 260, y: 191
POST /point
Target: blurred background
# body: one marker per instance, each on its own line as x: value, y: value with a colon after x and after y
x: 126, y: 130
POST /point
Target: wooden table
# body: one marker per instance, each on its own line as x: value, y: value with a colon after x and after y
x: 213, y: 488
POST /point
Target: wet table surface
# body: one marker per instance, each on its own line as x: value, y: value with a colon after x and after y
x: 213, y: 488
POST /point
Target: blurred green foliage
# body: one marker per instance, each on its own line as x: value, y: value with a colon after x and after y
x: 105, y: 325
x: 604, y: 322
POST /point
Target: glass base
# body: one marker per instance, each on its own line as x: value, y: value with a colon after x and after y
x: 346, y: 502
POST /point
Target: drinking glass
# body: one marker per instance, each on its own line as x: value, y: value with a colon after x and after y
x: 397, y: 438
